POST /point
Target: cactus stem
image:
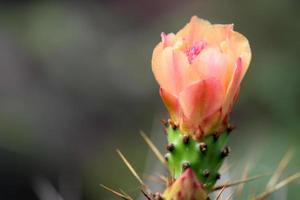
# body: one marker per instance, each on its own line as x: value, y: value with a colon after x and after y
x: 206, y: 154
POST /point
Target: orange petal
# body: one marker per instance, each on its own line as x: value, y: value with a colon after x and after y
x: 194, y: 30
x: 219, y: 33
x: 233, y: 88
x: 213, y: 123
x: 241, y: 48
x: 171, y: 103
x: 232, y: 43
x: 169, y: 67
x: 200, y: 100
x: 200, y: 29
x: 211, y: 63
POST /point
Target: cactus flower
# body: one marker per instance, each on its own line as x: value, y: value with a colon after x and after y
x: 186, y: 187
x: 199, y: 70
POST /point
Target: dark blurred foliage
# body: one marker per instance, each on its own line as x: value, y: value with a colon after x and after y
x: 76, y: 83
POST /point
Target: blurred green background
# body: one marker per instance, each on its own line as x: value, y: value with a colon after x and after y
x: 76, y: 83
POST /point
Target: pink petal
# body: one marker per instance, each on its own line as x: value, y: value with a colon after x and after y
x: 211, y: 63
x: 213, y: 122
x: 167, y: 39
x: 200, y: 100
x: 169, y: 67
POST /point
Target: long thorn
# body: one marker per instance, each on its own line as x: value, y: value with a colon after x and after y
x: 115, y: 192
x: 125, y: 194
x: 146, y: 195
x: 240, y: 187
x: 229, y: 196
x: 130, y: 167
x: 279, y: 171
x: 157, y: 153
x: 238, y: 182
x: 220, y: 193
x: 156, y: 179
x: 278, y: 186
x: 163, y: 178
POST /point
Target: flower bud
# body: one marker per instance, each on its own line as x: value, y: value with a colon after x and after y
x: 185, y: 187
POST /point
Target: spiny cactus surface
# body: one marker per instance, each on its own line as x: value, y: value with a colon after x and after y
x: 204, y: 157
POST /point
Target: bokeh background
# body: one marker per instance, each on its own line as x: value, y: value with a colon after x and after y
x: 76, y: 83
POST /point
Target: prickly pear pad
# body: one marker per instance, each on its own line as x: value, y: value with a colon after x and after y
x: 205, y: 157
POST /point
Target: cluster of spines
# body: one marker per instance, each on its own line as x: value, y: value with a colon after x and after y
x: 204, y: 157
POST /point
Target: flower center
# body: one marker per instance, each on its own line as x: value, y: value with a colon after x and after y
x: 194, y: 50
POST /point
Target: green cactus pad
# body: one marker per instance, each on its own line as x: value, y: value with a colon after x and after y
x: 205, y: 157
